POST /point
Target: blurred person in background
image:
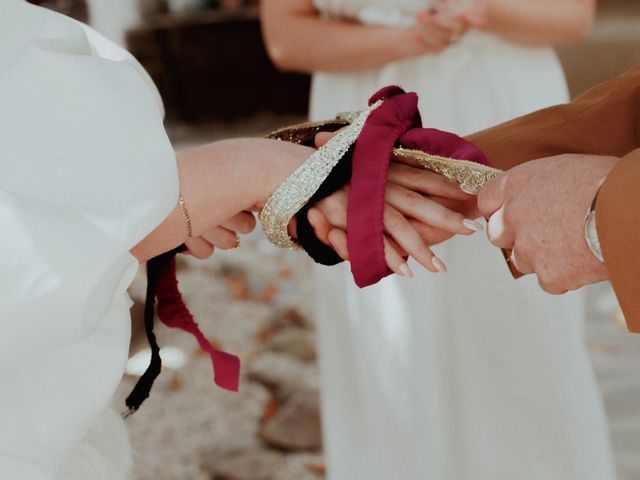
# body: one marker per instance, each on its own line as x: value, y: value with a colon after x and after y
x: 468, y: 374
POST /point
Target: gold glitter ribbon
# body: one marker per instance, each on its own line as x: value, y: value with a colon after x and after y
x: 296, y: 190
x: 471, y: 176
x: 304, y: 182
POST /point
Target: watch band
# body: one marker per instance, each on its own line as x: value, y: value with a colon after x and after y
x: 590, y: 231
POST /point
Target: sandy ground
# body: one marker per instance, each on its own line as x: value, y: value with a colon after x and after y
x: 187, y: 421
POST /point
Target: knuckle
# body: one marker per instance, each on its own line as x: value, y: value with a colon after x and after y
x: 334, y: 204
x: 414, y: 175
x: 413, y: 199
x: 552, y: 281
x: 509, y: 216
x: 394, y: 220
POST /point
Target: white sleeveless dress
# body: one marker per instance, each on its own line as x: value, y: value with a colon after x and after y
x: 86, y: 172
x: 468, y: 375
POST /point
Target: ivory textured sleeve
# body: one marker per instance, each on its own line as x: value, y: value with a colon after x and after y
x: 603, y: 121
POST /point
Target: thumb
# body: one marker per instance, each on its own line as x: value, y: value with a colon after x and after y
x: 492, y: 196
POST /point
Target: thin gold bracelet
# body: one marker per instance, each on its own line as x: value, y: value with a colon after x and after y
x: 185, y: 214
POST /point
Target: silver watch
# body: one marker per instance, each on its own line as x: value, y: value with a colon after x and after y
x: 590, y: 232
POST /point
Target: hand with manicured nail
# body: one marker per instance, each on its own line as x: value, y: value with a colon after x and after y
x: 422, y: 209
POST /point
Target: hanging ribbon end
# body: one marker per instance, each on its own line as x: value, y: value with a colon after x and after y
x: 226, y: 371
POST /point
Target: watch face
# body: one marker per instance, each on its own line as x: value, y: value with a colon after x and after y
x: 591, y: 236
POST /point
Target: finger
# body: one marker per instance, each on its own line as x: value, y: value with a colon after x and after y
x: 551, y: 288
x: 430, y: 235
x: 467, y: 208
x: 396, y: 247
x: 320, y: 224
x: 418, y: 207
x: 451, y: 21
x: 393, y: 258
x: 334, y: 208
x: 433, y: 39
x: 399, y: 228
x: 492, y: 196
x: 434, y: 31
x: 323, y: 137
x: 338, y: 240
x: 222, y: 238
x: 243, y: 222
x: 425, y: 181
x: 498, y: 232
x: 199, y: 247
x: 395, y: 261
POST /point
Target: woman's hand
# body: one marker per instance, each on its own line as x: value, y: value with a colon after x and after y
x: 224, y: 237
x: 471, y: 13
x: 435, y: 31
x: 422, y: 208
x: 219, y: 182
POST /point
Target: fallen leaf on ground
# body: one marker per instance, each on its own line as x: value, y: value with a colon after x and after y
x: 317, y: 468
x: 269, y: 410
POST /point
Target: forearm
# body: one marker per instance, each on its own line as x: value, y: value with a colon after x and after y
x: 298, y: 39
x: 602, y: 121
x: 218, y: 181
x: 540, y: 22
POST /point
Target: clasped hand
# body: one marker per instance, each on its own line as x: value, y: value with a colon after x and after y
x: 537, y: 209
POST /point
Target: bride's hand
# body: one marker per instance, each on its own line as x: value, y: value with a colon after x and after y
x: 223, y: 237
x: 219, y: 182
x: 422, y: 208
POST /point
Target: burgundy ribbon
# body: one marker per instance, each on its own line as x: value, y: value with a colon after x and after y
x: 173, y: 312
x: 396, y: 122
x: 162, y: 284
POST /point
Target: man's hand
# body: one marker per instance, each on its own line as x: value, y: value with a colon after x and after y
x: 539, y: 209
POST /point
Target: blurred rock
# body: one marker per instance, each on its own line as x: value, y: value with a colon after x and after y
x: 250, y: 465
x: 233, y: 445
x: 283, y: 374
x: 296, y: 425
x: 294, y: 341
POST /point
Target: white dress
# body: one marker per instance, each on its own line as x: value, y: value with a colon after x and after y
x: 86, y: 171
x: 468, y: 375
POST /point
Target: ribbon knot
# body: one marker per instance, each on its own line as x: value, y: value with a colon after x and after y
x: 396, y: 122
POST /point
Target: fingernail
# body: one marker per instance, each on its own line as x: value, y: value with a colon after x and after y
x: 472, y: 225
x: 406, y: 271
x: 468, y: 189
x: 440, y: 266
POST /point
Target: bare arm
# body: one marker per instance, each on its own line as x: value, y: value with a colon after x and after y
x: 540, y: 22
x: 297, y: 38
x: 218, y: 181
